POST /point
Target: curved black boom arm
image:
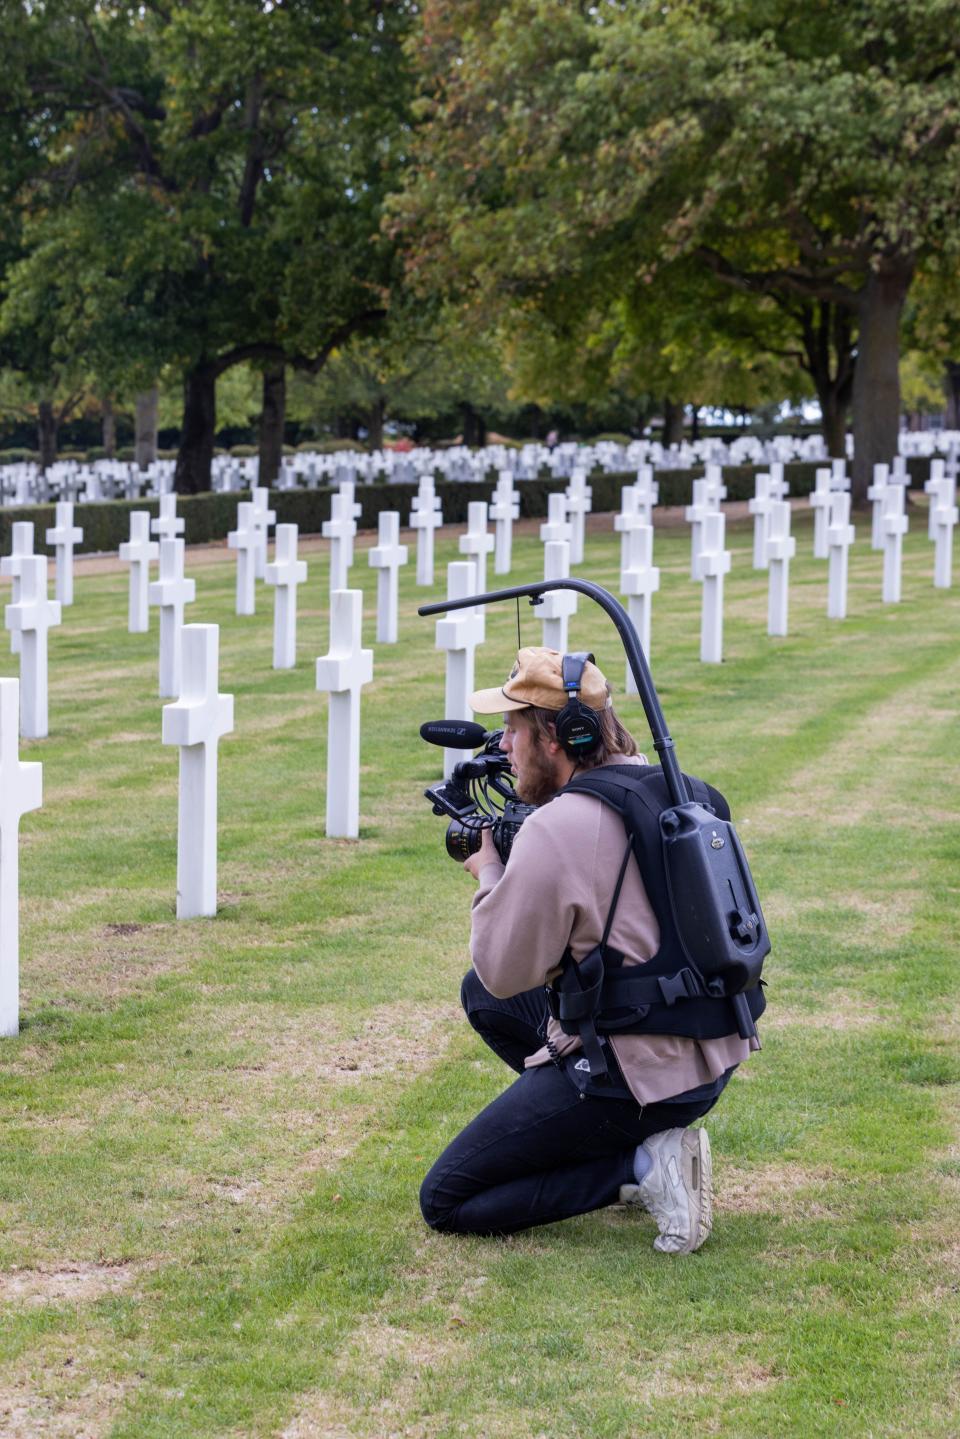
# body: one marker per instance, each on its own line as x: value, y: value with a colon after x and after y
x: 662, y: 742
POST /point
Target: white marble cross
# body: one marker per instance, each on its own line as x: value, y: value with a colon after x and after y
x: 647, y: 492
x: 781, y: 548
x: 351, y: 510
x: 137, y: 552
x: 557, y: 526
x: 937, y: 472
x: 21, y: 790
x: 245, y: 539
x: 820, y: 499
x: 32, y: 617
x: 716, y: 489
x: 705, y: 501
x: 64, y: 536
x: 167, y: 525
x: 171, y: 591
x: 504, y: 509
x: 760, y: 507
x: 579, y: 498
x: 557, y: 605
x: 341, y: 672
x: 944, y: 513
x: 196, y: 722
x: 714, y: 564
x: 894, y: 524
x: 639, y: 581
x: 626, y: 521
x: 477, y: 542
x: 21, y: 545
x: 262, y: 520
x: 425, y: 517
x: 875, y: 494
x: 840, y: 535
x: 779, y: 488
x: 838, y: 475
x: 286, y: 572
x: 339, y: 530
x: 459, y: 633
x: 386, y: 557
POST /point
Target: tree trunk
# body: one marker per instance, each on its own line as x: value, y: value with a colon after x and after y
x: 145, y: 427
x: 375, y: 420
x: 46, y: 433
x: 830, y: 361
x: 672, y: 423
x: 474, y: 428
x: 273, y: 417
x: 951, y: 384
x: 694, y: 423
x: 195, y: 456
x: 876, y: 381
x: 833, y: 424
x: 109, y: 428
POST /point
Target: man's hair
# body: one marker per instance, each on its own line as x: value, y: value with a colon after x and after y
x: 614, y: 737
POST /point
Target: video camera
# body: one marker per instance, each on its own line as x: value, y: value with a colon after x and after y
x: 480, y: 793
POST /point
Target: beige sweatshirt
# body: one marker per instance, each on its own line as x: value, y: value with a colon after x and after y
x: 556, y: 891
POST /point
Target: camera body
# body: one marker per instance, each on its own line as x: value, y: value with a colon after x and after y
x: 480, y: 795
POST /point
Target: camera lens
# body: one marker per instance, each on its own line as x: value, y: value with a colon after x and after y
x: 462, y: 840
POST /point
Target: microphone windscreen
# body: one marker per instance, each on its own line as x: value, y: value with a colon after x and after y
x: 454, y: 734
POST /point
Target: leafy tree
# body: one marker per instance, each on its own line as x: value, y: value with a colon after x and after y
x: 212, y: 184
x: 808, y: 154
x: 424, y: 363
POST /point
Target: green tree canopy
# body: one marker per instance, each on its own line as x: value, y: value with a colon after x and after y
x: 808, y: 154
x: 211, y: 184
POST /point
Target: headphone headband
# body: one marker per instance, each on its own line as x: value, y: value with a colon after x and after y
x: 578, y: 726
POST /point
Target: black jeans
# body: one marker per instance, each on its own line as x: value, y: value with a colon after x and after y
x: 542, y: 1151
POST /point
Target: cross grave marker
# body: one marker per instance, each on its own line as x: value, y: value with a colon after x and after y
x: 64, y: 536
x: 197, y: 721
x: 286, y: 572
x: 341, y: 672
x: 386, y: 557
x: 171, y: 591
x: 137, y: 552
x: 21, y: 790
x: 32, y: 617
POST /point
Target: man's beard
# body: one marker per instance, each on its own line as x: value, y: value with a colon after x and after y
x: 539, y: 780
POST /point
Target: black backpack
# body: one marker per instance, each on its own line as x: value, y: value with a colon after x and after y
x: 704, y: 981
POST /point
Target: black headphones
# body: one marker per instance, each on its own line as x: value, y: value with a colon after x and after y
x: 578, y: 726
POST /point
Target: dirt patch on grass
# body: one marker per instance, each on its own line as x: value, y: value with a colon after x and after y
x: 836, y: 1011
x: 69, y: 1283
x: 403, y: 1038
x: 407, y: 1356
x: 693, y: 1373
x: 104, y: 964
x: 26, y: 1413
x: 789, y: 1191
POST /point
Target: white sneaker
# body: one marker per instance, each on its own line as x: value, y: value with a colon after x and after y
x: 678, y: 1189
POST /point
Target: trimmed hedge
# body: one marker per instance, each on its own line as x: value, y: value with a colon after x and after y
x: 210, y: 517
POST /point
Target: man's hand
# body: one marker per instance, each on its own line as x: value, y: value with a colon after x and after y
x: 486, y: 854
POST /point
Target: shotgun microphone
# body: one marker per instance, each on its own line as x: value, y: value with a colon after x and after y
x: 455, y: 734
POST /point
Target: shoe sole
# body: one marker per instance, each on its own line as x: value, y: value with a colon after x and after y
x: 698, y: 1180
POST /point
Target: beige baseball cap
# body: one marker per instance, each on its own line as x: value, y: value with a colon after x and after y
x: 536, y: 679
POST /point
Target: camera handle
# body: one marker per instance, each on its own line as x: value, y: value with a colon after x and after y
x: 662, y: 742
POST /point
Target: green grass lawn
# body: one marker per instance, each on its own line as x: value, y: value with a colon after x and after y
x: 214, y: 1131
